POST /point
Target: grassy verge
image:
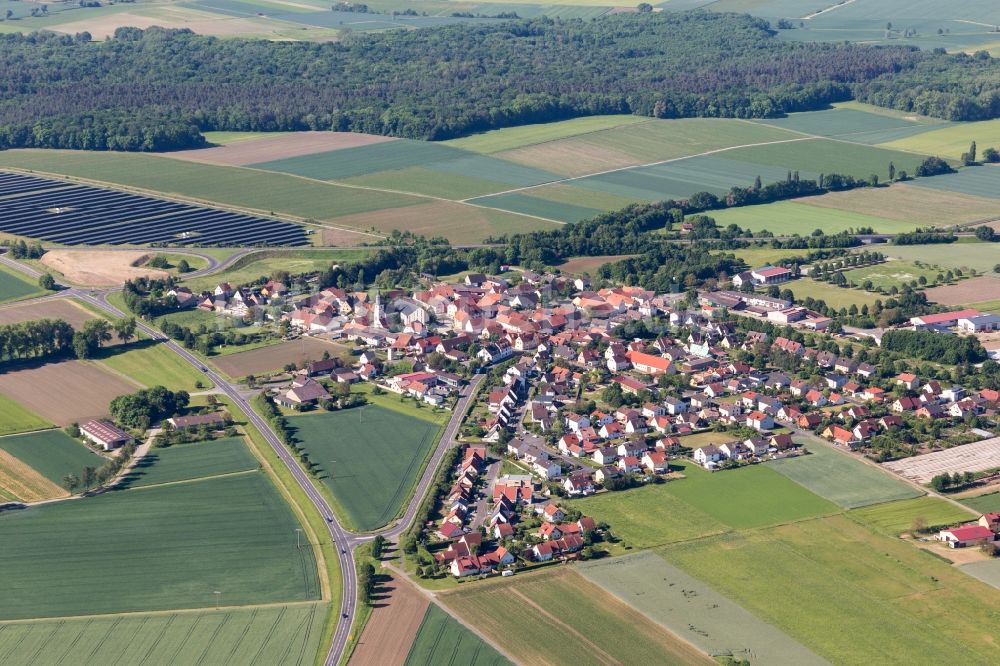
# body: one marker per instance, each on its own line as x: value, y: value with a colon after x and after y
x: 312, y: 521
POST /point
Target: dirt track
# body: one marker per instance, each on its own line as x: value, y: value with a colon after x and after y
x: 392, y: 627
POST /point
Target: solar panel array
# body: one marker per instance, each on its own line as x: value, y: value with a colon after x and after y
x: 69, y: 214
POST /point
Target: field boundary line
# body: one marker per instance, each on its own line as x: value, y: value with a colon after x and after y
x: 706, y: 153
x: 599, y: 652
x: 645, y: 121
x: 160, y: 613
x: 178, y: 482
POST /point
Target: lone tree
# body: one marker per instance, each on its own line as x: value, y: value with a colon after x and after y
x: 892, y: 171
x: 47, y: 282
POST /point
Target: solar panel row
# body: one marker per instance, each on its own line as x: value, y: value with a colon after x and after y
x: 81, y: 215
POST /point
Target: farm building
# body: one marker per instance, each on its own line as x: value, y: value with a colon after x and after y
x: 979, y: 324
x: 942, y: 319
x: 967, y: 535
x: 770, y: 275
x: 105, y: 434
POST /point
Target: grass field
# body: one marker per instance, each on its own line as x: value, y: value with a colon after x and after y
x: 980, y: 256
x: 889, y: 602
x: 442, y: 640
x: 953, y: 140
x: 13, y: 286
x: 693, y: 610
x: 226, y: 138
x: 892, y: 274
x: 153, y: 364
x: 833, y: 296
x: 299, y: 261
x: 763, y: 256
x: 509, y: 138
x: 272, y: 635
x: 15, y: 418
x: 847, y: 482
x: 983, y: 503
x: 522, y: 615
x: 894, y: 518
x: 785, y: 218
x: 905, y: 202
x: 51, y: 453
x: 370, y: 456
x: 702, y: 504
x: 579, y: 265
x: 168, y: 547
x: 192, y: 461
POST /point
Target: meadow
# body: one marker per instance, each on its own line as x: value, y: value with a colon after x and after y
x: 833, y: 296
x: 592, y: 623
x: 264, y: 264
x: 169, y: 547
x: 893, y: 274
x: 442, y: 640
x: 693, y: 610
x: 785, y: 218
x: 288, y: 634
x: 895, y: 518
x: 980, y: 256
x: 983, y: 503
x: 953, y: 140
x: 16, y: 418
x: 184, y: 462
x: 889, y: 601
x: 905, y: 202
x: 152, y: 364
x: 13, y: 287
x: 370, y: 458
x: 51, y: 453
x: 764, y: 256
x: 842, y: 479
x: 702, y: 504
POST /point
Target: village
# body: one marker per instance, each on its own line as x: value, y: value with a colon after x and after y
x: 595, y: 390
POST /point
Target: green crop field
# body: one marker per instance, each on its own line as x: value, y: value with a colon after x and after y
x: 842, y: 479
x: 889, y: 601
x: 13, y: 287
x: 273, y: 635
x: 362, y: 160
x: 749, y: 497
x: 589, y: 620
x: 853, y: 123
x: 763, y: 256
x: 17, y: 418
x: 895, y: 518
x: 526, y: 204
x: 980, y: 256
x: 893, y: 274
x: 370, y: 456
x: 245, y: 188
x: 226, y: 138
x: 693, y: 610
x: 981, y: 181
x: 509, y: 138
x: 785, y: 218
x: 152, y: 364
x: 442, y: 640
x: 51, y: 453
x: 184, y: 462
x: 987, y: 571
x: 983, y: 503
x: 833, y: 296
x: 427, y: 181
x: 164, y: 547
x: 953, y: 140
x: 829, y: 156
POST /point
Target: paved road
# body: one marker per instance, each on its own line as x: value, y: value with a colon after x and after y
x: 345, y: 541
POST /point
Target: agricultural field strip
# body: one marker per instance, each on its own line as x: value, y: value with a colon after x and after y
x: 976, y: 457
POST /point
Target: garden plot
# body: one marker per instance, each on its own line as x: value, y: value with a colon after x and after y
x: 975, y: 457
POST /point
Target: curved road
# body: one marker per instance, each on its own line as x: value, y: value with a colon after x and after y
x: 344, y: 541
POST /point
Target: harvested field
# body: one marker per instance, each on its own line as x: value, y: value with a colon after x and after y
x: 100, y: 268
x: 274, y: 357
x: 19, y: 481
x: 694, y: 611
x: 61, y: 308
x: 965, y: 292
x: 975, y: 457
x: 907, y: 203
x: 523, y: 614
x: 459, y: 223
x: 392, y: 626
x: 66, y: 392
x: 578, y: 265
x: 281, y: 146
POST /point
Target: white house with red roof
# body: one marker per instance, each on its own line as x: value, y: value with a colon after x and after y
x: 966, y: 535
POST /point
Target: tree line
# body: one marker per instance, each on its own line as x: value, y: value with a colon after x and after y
x: 45, y: 338
x: 930, y: 346
x: 140, y: 409
x: 160, y: 89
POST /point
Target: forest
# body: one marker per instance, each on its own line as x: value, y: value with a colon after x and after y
x: 160, y: 89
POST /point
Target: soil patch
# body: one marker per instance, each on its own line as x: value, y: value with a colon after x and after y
x: 274, y: 357
x: 65, y: 392
x: 967, y: 291
x: 393, y: 625
x: 99, y: 268
x: 61, y: 308
x: 280, y: 146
